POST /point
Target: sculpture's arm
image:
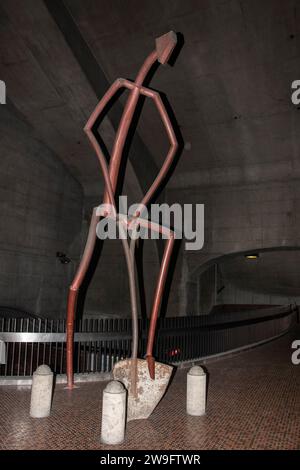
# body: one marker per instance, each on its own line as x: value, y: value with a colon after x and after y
x: 119, y: 83
x: 171, y: 135
x: 173, y: 141
x: 88, y: 129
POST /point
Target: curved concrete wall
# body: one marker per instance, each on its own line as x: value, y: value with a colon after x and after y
x: 41, y: 210
x: 237, y: 218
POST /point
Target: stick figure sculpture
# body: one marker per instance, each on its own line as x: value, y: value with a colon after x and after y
x: 158, y: 372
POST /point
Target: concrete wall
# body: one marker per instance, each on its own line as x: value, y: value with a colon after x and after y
x: 237, y: 218
x: 206, y: 285
x: 44, y: 210
x: 233, y: 294
x: 212, y: 289
x: 41, y: 212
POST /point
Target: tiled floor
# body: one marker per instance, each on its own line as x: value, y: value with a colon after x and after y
x: 253, y: 403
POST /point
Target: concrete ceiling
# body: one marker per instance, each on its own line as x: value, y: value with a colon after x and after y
x: 48, y: 88
x: 46, y: 84
x: 229, y: 88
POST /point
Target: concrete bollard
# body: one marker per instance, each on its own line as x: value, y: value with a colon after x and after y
x: 41, y: 392
x: 113, y: 413
x: 196, y: 391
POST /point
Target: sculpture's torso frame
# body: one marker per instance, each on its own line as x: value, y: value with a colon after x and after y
x: 164, y: 47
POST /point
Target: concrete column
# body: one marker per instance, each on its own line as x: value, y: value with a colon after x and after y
x: 113, y: 413
x: 41, y: 392
x: 196, y: 391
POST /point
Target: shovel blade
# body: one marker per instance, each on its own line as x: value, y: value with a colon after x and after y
x: 143, y: 398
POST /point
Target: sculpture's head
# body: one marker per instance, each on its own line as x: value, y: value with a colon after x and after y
x: 165, y: 45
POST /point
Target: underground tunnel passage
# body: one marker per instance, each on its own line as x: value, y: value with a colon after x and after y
x: 149, y: 298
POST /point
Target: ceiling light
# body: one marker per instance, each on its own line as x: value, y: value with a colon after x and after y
x: 252, y: 256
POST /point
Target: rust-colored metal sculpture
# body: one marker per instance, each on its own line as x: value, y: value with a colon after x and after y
x: 164, y: 47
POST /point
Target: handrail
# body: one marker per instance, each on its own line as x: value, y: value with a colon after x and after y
x: 52, y: 337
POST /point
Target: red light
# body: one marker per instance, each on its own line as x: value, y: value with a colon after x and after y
x: 173, y: 352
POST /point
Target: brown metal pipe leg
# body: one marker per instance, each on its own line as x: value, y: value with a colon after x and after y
x: 72, y: 302
x: 73, y: 294
x: 157, y: 302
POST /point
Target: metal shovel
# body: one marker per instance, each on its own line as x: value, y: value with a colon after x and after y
x: 149, y: 392
x: 145, y: 380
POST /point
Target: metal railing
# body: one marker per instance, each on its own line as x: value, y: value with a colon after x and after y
x: 100, y: 343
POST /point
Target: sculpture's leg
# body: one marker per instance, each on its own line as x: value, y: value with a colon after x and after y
x: 91, y: 240
x: 157, y: 303
x: 167, y: 232
x: 73, y: 294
